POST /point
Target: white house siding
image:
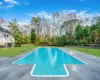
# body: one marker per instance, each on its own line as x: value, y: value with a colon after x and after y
x: 2, y: 40
x: 6, y: 39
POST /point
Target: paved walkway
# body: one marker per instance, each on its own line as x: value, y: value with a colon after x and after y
x: 89, y: 71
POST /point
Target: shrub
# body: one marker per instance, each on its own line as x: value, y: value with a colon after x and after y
x: 82, y: 42
x: 89, y: 39
x: 75, y: 42
x: 67, y: 42
x: 60, y: 40
x: 26, y: 40
x: 51, y: 41
x: 37, y: 41
x: 17, y: 44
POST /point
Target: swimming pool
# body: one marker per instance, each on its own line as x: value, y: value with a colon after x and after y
x: 48, y: 62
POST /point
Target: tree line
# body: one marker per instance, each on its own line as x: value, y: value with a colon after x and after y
x: 57, y: 31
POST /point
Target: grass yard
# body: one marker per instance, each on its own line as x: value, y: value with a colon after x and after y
x: 95, y: 52
x: 10, y: 52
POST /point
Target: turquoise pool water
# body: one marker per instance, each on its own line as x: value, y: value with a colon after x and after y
x: 49, y: 61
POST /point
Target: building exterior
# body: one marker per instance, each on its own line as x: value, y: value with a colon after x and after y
x: 6, y: 39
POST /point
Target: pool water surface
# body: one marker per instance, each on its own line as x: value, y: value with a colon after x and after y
x: 49, y: 62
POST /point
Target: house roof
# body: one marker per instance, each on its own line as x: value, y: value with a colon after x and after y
x: 4, y: 30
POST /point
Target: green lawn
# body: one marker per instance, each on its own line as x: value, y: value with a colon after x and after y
x: 10, y: 52
x: 95, y: 52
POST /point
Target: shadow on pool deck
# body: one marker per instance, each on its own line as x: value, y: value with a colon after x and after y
x: 89, y: 71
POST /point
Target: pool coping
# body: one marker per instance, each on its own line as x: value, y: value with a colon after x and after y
x: 66, y: 70
x: 48, y: 75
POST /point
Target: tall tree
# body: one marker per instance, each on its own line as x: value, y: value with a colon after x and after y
x: 33, y: 36
x: 78, y: 33
x: 35, y: 22
x: 15, y: 32
x: 86, y: 32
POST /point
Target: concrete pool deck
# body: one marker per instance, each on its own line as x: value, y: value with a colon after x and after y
x: 89, y: 71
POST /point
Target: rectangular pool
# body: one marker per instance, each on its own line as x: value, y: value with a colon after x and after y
x: 48, y: 62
